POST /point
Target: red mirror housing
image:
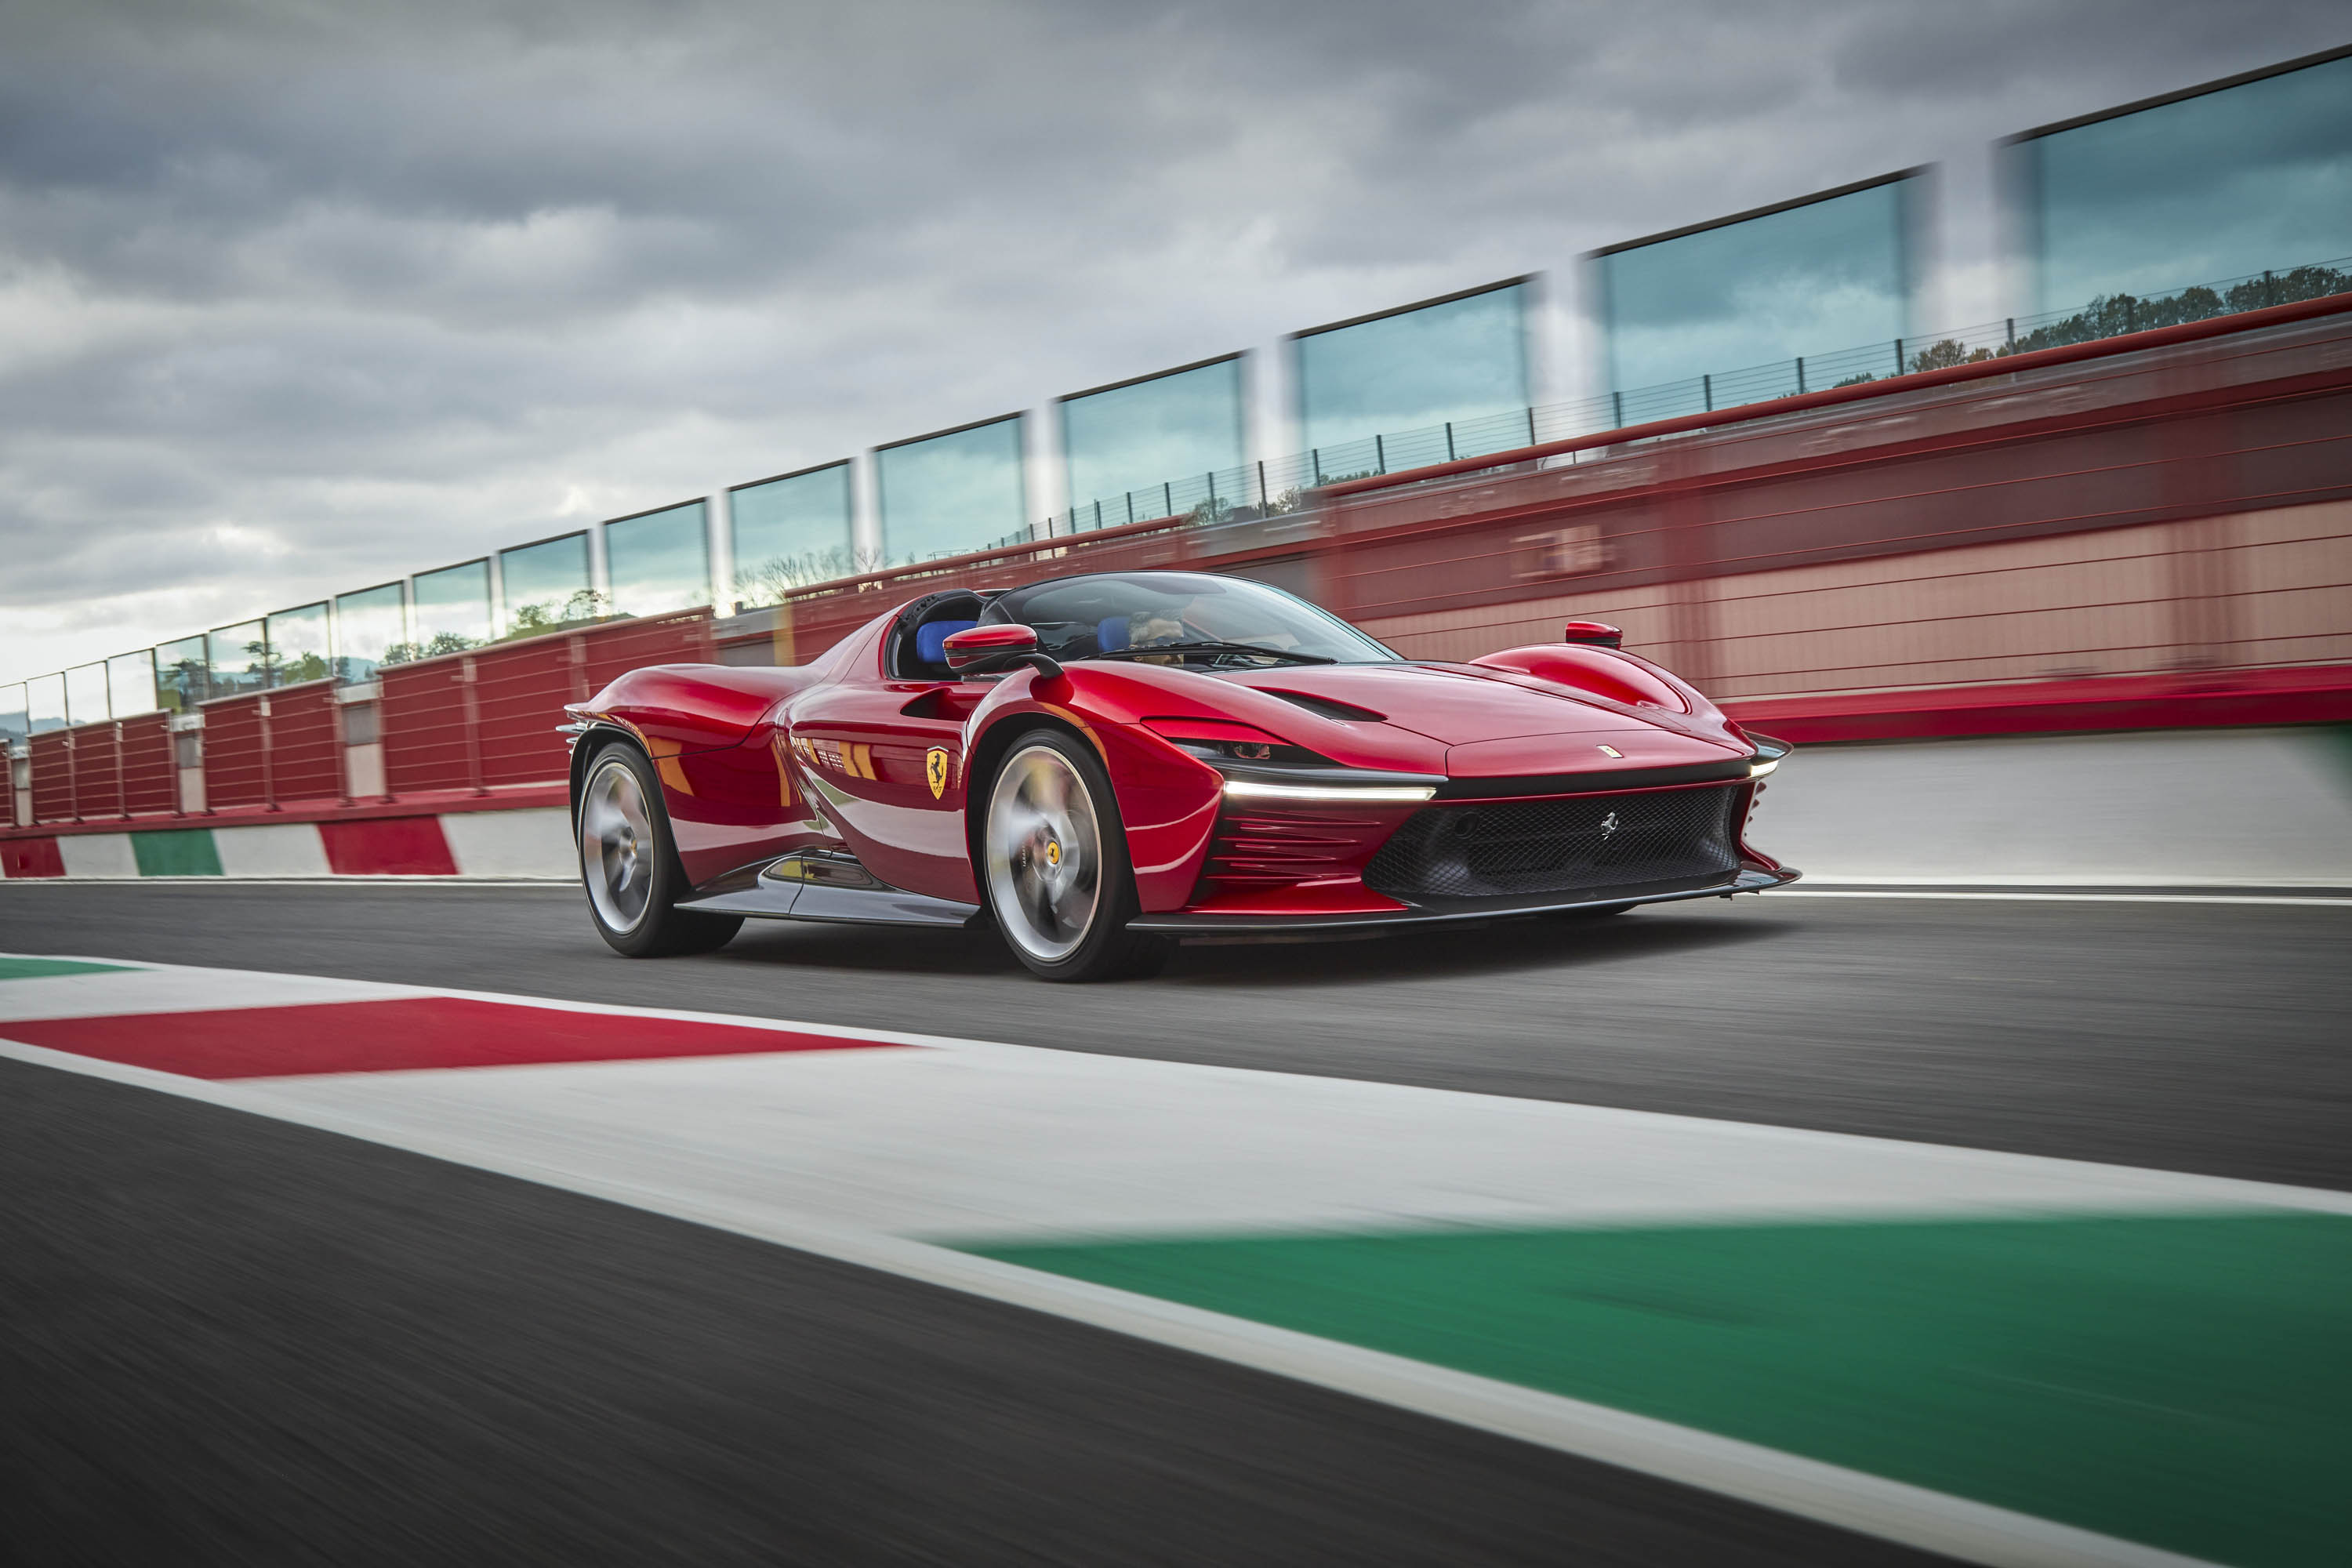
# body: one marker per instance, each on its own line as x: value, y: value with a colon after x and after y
x: 991, y: 647
x: 1599, y: 633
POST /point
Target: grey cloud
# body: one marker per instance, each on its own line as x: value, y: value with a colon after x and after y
x: 379, y: 286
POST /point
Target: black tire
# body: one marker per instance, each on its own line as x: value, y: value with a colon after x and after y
x: 1054, y: 868
x: 629, y: 865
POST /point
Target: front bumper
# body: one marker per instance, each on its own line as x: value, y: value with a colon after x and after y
x: 1749, y: 880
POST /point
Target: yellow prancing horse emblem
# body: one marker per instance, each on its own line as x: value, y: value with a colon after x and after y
x: 935, y: 768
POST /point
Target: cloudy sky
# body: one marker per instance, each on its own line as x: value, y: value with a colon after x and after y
x: 298, y: 297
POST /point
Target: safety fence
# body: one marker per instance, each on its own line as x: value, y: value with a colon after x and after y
x: 2178, y: 503
x: 475, y: 723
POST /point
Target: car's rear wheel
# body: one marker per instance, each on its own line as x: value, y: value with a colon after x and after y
x: 630, y: 865
x: 1055, y: 866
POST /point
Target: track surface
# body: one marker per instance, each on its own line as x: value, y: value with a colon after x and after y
x: 2203, y: 1038
x: 391, y: 1359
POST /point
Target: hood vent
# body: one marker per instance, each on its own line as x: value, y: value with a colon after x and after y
x: 1327, y: 707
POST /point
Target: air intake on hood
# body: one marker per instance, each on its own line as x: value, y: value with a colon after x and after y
x: 1326, y: 706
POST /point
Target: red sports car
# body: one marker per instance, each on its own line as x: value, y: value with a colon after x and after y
x: 1102, y: 764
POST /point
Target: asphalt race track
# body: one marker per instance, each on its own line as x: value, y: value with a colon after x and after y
x: 238, y: 1338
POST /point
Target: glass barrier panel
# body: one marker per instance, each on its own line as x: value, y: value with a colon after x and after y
x: 449, y: 612
x: 951, y: 493
x: 299, y: 646
x: 239, y: 657
x: 14, y: 725
x: 546, y: 585
x: 1425, y: 365
x: 2223, y: 185
x: 659, y: 561
x: 1184, y: 422
x: 790, y: 532
x: 131, y: 683
x: 182, y: 675
x: 45, y: 704
x: 85, y: 694
x: 1806, y: 279
x: 368, y: 624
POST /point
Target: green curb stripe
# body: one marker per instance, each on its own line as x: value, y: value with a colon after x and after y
x: 37, y: 968
x: 2181, y: 1382
x: 176, y: 852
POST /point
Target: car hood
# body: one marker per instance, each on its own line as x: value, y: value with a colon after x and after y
x: 1461, y: 705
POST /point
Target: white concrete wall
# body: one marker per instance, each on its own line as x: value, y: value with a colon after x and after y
x: 272, y: 850
x: 535, y: 843
x: 2269, y: 807
x: 106, y: 855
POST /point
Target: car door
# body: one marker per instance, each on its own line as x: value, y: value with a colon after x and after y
x: 884, y: 760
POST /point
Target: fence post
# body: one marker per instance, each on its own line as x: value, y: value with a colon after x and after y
x: 1707, y: 390
x: 269, y: 778
x: 1449, y: 441
x: 1381, y: 453
x: 1168, y: 496
x: 1801, y: 375
x: 473, y: 725
x: 1314, y: 461
x: 1899, y: 356
x: 1531, y: 429
x: 1617, y: 410
x: 2012, y: 332
x: 1262, y: 501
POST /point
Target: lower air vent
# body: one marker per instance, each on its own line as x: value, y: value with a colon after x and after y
x: 1588, y: 843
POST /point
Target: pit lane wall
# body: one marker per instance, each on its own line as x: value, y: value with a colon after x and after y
x: 2083, y: 615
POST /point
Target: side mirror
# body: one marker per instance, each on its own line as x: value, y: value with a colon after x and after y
x: 1600, y: 634
x: 985, y: 650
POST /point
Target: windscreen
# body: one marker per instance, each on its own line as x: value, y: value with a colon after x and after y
x: 1114, y: 612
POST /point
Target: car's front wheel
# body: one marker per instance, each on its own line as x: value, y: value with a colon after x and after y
x: 1054, y: 865
x: 630, y: 865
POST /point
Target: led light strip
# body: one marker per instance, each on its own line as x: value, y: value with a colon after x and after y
x: 1370, y: 795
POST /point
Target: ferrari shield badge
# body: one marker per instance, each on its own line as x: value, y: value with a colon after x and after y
x: 935, y: 768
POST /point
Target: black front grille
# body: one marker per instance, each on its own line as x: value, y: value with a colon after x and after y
x: 1579, y: 844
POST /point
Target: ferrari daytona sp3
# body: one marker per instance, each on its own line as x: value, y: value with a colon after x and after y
x: 1099, y: 765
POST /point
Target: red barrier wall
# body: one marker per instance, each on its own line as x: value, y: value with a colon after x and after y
x: 52, y: 776
x: 150, y: 782
x: 487, y: 720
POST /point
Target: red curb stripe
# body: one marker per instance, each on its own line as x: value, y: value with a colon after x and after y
x: 388, y: 847
x: 31, y: 858
x: 398, y: 1035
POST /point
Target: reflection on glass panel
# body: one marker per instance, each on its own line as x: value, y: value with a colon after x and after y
x: 2222, y: 184
x: 299, y: 650
x: 182, y: 676
x: 14, y: 724
x: 239, y: 656
x: 368, y: 624
x: 546, y: 585
x: 659, y: 561
x: 790, y: 532
x: 85, y: 694
x: 45, y: 703
x: 956, y: 491
x: 1184, y: 424
x: 449, y: 612
x: 1833, y: 272
x: 1451, y: 360
x: 131, y: 683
